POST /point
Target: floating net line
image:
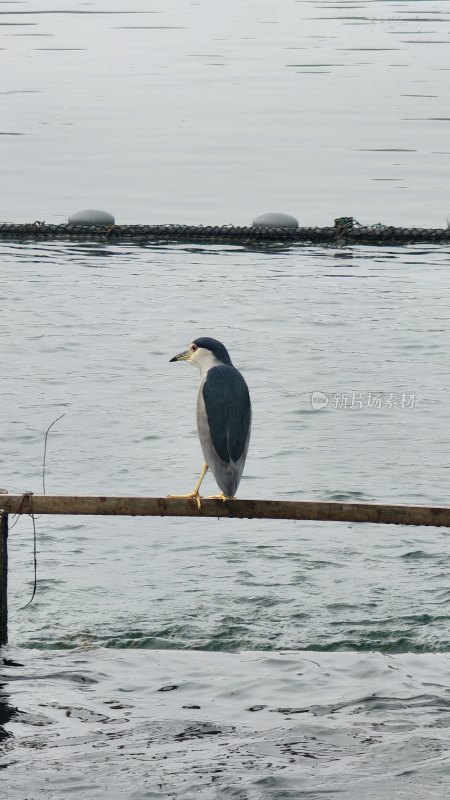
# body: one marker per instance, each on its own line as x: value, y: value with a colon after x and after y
x: 345, y: 231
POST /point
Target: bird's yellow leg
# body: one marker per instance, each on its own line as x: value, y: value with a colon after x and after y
x: 220, y: 497
x: 195, y: 494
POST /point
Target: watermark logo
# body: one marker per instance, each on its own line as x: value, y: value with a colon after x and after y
x: 319, y: 400
x: 370, y: 400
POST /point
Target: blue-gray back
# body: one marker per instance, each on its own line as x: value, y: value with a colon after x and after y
x: 227, y: 404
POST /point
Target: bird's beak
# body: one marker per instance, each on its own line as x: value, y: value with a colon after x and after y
x: 181, y: 356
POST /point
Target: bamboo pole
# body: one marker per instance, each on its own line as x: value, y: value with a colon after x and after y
x: 241, y: 509
x: 3, y: 578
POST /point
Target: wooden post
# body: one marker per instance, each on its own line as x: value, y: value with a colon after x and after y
x: 3, y: 578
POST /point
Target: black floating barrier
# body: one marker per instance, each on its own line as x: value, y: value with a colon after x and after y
x: 345, y: 231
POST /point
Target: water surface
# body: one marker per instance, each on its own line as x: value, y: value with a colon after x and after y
x: 88, y: 331
x: 180, y: 112
x: 213, y: 659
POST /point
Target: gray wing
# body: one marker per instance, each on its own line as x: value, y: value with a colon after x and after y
x: 225, y: 432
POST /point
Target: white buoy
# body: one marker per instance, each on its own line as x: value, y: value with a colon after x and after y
x: 91, y: 216
x: 275, y: 220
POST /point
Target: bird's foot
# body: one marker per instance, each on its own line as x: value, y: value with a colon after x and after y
x: 221, y: 496
x: 190, y: 496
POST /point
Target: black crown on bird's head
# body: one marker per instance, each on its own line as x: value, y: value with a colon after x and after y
x: 217, y: 348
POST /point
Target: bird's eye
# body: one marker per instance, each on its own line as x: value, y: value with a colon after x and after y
x: 194, y: 348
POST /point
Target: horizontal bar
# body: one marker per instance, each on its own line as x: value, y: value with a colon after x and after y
x: 241, y: 509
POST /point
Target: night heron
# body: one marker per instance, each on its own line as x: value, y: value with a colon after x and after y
x: 224, y: 415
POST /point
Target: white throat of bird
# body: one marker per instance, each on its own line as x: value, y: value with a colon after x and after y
x: 204, y: 360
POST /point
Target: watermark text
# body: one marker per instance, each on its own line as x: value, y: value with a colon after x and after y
x: 368, y: 399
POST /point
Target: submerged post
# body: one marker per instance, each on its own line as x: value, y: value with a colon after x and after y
x: 3, y: 578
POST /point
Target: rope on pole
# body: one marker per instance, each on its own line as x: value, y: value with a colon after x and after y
x: 311, y: 510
